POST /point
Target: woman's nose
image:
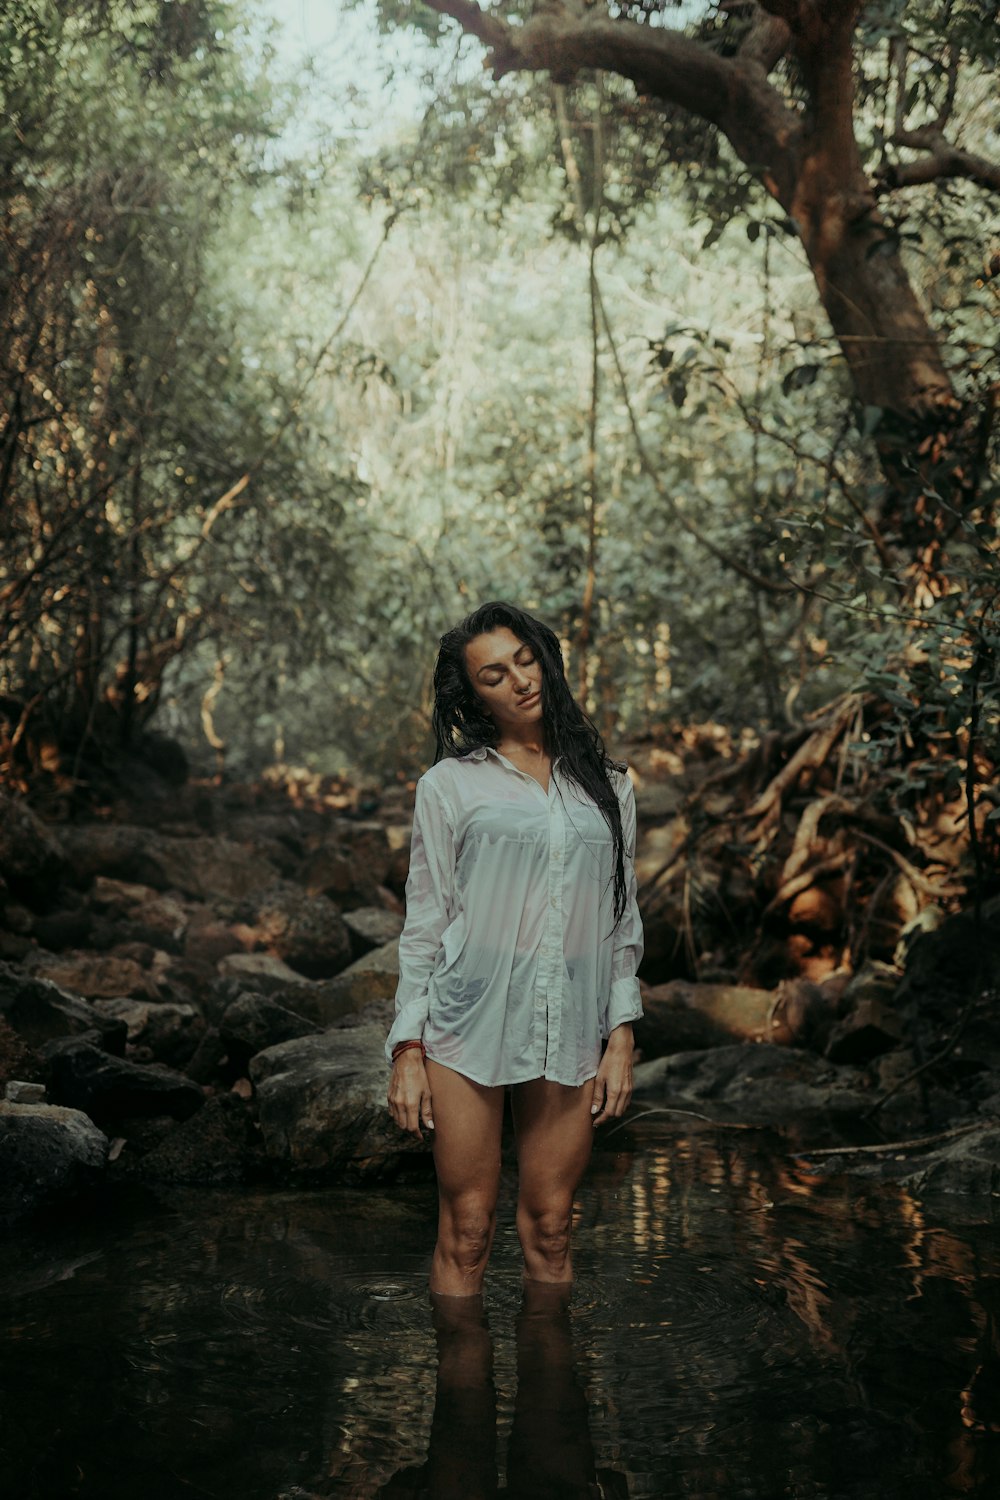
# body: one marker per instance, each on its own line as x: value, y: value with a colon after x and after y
x: 522, y: 680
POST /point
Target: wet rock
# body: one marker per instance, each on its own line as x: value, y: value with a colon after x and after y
x: 871, y: 1029
x: 219, y: 1146
x: 17, y: 1059
x: 20, y: 1091
x: 960, y: 1173
x: 321, y: 1103
x: 39, y: 1011
x: 49, y: 1154
x: 210, y: 1058
x: 208, y: 940
x: 32, y: 859
x: 93, y: 975
x: 203, y: 868
x: 350, y: 866
x: 304, y: 930
x: 261, y: 971
x: 372, y: 927
x: 683, y: 1017
x: 253, y: 1022
x: 171, y: 1032
x: 370, y: 978
x: 108, y: 1088
x: 68, y: 928
x: 758, y: 1083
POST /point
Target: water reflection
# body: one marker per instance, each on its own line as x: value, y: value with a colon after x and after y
x: 550, y: 1455
x: 740, y: 1327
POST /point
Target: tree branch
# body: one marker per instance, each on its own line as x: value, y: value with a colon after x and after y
x: 732, y: 93
x: 943, y: 160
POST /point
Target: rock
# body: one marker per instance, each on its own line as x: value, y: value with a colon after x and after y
x: 321, y: 1103
x: 107, y: 1088
x: 371, y: 927
x: 58, y: 930
x: 261, y: 971
x: 17, y: 1059
x: 399, y: 835
x: 32, y: 859
x: 371, y: 977
x: 209, y: 1059
x: 757, y: 1083
x: 49, y: 1154
x: 304, y: 930
x: 93, y: 975
x: 960, y: 1174
x: 39, y: 1011
x: 207, y: 940
x: 20, y: 1091
x: 870, y: 1029
x: 253, y: 1022
x: 220, y: 1146
x: 202, y: 867
x: 350, y: 866
x: 170, y: 1031
x: 682, y: 1017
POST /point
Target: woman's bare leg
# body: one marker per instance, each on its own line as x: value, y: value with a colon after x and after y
x: 468, y: 1120
x: 555, y: 1132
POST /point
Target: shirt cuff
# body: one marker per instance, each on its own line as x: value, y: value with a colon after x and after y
x: 624, y: 1004
x: 408, y: 1025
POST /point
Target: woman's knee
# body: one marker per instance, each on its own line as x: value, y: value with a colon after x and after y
x: 545, y: 1232
x: 466, y: 1231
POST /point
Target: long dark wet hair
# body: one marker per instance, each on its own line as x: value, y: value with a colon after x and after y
x: 462, y: 724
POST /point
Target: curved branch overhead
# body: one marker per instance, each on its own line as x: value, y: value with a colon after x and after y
x: 805, y: 153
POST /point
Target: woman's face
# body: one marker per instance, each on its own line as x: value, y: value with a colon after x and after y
x: 507, y: 677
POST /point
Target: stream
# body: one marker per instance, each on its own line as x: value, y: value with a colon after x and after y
x: 740, y: 1327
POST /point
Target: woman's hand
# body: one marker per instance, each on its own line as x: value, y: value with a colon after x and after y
x: 410, y: 1093
x: 613, y: 1084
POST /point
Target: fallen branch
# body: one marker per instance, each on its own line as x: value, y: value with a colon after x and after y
x: 912, y: 1144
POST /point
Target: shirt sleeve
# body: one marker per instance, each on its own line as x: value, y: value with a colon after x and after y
x: 429, y: 887
x: 625, y: 1000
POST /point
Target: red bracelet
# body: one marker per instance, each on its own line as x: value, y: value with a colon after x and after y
x: 405, y: 1047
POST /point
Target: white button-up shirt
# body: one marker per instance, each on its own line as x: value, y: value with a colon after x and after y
x: 511, y: 967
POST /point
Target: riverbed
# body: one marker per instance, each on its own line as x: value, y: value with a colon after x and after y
x: 740, y: 1327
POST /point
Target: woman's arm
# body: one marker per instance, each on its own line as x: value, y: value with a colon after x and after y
x: 613, y: 1084
x: 428, y: 911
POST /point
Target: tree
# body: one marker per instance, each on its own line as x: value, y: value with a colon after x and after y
x: 784, y: 82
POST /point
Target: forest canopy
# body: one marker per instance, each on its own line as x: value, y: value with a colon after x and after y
x: 676, y: 323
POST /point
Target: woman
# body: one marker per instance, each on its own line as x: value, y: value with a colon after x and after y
x: 521, y: 943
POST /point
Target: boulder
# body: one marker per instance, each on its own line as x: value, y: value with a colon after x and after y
x: 871, y: 1029
x: 371, y: 927
x: 219, y: 1146
x: 304, y: 930
x: 49, y: 1153
x: 682, y: 1016
x: 370, y: 978
x: 959, y: 1174
x: 253, y: 1022
x: 109, y: 1088
x: 208, y: 940
x: 39, y: 1011
x: 262, y: 972
x: 203, y: 868
x: 93, y: 975
x: 32, y: 860
x: 321, y: 1104
x: 168, y: 1031
x: 757, y: 1083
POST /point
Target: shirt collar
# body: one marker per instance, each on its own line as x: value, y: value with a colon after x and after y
x: 484, y: 750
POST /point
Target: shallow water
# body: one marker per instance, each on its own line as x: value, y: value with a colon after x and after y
x: 739, y: 1328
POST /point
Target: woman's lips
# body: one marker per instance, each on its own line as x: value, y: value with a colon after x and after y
x: 531, y: 699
